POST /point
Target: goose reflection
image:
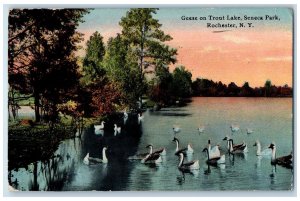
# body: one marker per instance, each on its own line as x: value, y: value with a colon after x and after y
x: 208, y: 170
x: 258, y: 162
x: 183, y: 173
x: 220, y: 168
x: 180, y: 178
x: 273, y: 175
x: 232, y: 157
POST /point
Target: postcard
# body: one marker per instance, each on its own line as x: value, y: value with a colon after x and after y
x: 150, y: 99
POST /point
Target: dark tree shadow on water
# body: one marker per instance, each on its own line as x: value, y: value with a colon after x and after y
x: 171, y: 114
x: 171, y: 110
x: 57, y: 169
x: 119, y: 148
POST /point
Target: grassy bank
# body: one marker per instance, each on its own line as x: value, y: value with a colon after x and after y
x: 27, y: 144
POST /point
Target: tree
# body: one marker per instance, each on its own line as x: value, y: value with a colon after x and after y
x: 182, y: 82
x: 101, y: 77
x: 92, y: 67
x: 246, y: 90
x: 160, y: 89
x: 268, y: 85
x: 41, y: 56
x: 122, y: 69
x: 145, y: 36
x: 233, y: 89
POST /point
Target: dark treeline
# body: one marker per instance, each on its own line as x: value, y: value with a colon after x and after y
x: 205, y: 87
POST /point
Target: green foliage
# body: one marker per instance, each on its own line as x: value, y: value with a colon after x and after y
x: 122, y: 69
x: 94, y: 56
x: 182, y: 82
x: 41, y: 55
x: 160, y: 89
x: 268, y: 84
x: 144, y: 35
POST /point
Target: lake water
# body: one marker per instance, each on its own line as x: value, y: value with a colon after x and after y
x: 270, y: 118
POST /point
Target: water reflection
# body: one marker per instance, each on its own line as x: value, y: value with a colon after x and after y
x: 65, y: 169
x: 273, y: 175
x: 51, y: 173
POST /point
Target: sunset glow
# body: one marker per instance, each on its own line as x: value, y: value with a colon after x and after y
x: 236, y: 55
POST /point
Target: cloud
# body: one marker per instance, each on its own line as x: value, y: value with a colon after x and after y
x: 210, y: 48
x: 237, y: 39
x: 279, y: 58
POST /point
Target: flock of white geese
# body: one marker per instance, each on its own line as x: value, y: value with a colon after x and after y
x: 214, y: 156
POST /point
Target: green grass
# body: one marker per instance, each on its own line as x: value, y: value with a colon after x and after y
x: 150, y: 103
x: 27, y: 102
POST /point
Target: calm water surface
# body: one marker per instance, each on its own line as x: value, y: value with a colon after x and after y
x: 271, y: 120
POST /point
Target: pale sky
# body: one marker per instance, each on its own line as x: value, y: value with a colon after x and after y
x: 254, y: 54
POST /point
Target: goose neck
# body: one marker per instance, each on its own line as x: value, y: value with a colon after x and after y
x: 258, y: 151
x: 151, y: 150
x: 104, y: 158
x: 230, y: 146
x: 209, y: 146
x: 177, y: 145
x: 273, y: 153
x: 180, y: 161
x: 207, y: 152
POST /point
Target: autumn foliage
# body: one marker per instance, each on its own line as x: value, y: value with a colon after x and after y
x: 105, y: 99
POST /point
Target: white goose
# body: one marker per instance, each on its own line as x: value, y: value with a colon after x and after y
x: 99, y: 128
x: 141, y: 155
x: 213, y: 152
x: 125, y: 116
x: 259, y: 152
x: 192, y: 165
x: 140, y: 118
x: 186, y: 150
x: 86, y: 159
x: 285, y: 161
x: 237, y: 150
x: 234, y: 128
x: 152, y: 158
x: 161, y: 151
x: 176, y: 129
x: 201, y: 129
x: 214, y: 160
x: 249, y: 131
x: 117, y: 129
x: 234, y: 145
x: 96, y: 160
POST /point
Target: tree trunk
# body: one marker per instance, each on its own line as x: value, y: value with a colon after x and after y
x: 37, y: 107
x: 141, y: 62
x: 35, y: 186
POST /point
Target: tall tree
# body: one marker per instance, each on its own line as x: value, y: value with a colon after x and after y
x: 95, y: 51
x: 99, y: 80
x: 41, y: 54
x: 122, y: 68
x: 268, y: 85
x: 182, y: 82
x: 145, y: 36
x: 161, y: 89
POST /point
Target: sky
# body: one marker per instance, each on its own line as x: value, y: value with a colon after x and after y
x: 253, y: 54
